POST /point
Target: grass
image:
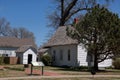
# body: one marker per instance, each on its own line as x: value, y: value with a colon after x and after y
x: 12, y: 71
x: 69, y: 71
x: 65, y: 71
x: 18, y: 71
x: 15, y: 68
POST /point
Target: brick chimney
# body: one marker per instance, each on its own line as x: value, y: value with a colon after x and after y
x: 76, y: 20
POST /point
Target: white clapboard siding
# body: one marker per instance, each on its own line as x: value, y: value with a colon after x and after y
x: 81, y: 56
x: 9, y: 51
x: 106, y: 63
x: 65, y: 62
x: 78, y: 56
x: 25, y: 56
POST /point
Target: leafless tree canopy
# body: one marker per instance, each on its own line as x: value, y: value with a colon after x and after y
x: 67, y: 9
x: 7, y: 30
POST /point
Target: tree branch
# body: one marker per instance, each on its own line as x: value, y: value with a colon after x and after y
x: 76, y: 11
x: 104, y: 58
x: 67, y: 10
x: 62, y: 7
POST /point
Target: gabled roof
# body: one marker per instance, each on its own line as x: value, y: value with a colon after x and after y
x: 42, y: 50
x: 15, y: 42
x: 60, y: 38
x: 24, y: 48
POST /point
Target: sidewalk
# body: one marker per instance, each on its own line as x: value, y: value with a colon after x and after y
x: 61, y: 76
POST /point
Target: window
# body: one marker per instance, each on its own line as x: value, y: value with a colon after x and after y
x: 69, y: 57
x: 61, y: 55
x: 54, y: 54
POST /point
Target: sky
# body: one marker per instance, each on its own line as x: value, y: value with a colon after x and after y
x: 32, y: 14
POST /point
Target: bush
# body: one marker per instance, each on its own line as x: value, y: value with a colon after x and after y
x: 46, y: 59
x: 79, y: 68
x: 116, y: 63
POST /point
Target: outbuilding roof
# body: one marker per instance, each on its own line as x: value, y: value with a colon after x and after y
x: 24, y: 48
x: 60, y: 38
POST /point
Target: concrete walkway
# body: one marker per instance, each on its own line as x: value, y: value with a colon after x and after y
x: 60, y: 76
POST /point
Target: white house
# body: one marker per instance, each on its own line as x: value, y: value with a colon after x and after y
x: 24, y: 49
x: 66, y: 51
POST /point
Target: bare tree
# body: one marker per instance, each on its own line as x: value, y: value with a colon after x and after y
x: 22, y: 33
x: 4, y: 27
x: 67, y: 9
x: 15, y: 32
x: 7, y: 30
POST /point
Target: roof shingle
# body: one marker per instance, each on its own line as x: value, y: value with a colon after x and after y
x: 15, y: 42
x: 60, y: 38
x: 25, y: 48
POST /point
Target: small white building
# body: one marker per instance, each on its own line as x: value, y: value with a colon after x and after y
x: 24, y: 49
x: 66, y: 51
x: 26, y: 54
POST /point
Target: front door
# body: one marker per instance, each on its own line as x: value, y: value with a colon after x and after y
x: 29, y: 58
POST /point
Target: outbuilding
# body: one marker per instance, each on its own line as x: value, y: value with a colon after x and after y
x: 26, y: 54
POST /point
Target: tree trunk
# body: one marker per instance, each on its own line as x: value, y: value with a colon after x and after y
x: 95, y: 63
x: 62, y: 22
x: 95, y: 49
